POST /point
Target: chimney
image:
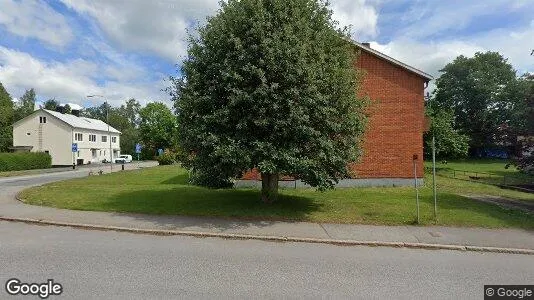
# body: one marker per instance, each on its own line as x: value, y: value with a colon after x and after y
x: 368, y: 45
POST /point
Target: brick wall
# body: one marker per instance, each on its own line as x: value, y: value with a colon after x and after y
x: 396, y: 120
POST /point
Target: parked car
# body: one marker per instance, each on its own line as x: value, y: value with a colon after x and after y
x: 123, y: 159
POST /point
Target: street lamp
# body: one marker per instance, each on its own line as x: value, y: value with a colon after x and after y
x: 109, y: 133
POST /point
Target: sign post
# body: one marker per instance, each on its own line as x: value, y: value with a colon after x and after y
x: 415, y: 157
x: 74, y: 150
x: 434, y: 178
x: 138, y: 151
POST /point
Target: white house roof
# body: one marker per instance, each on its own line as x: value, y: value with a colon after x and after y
x: 82, y: 122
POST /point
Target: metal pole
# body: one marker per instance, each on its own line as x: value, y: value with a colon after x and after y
x: 434, y: 177
x: 416, y: 188
x: 109, y: 136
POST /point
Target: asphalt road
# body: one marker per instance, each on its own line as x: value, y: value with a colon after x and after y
x: 102, y: 265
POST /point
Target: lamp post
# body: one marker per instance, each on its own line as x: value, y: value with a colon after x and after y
x: 109, y: 132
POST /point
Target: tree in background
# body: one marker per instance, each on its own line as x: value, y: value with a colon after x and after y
x: 6, y: 120
x: 484, y: 93
x: 269, y: 85
x: 449, y: 142
x: 51, y: 104
x: 26, y: 105
x: 525, y: 160
x: 65, y: 109
x: 158, y: 127
x: 124, y: 118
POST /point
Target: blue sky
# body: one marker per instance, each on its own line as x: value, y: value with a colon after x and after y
x: 68, y: 49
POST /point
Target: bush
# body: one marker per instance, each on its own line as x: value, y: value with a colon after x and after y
x: 167, y: 158
x: 24, y: 161
x: 212, y: 180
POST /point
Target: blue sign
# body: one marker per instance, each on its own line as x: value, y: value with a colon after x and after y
x: 74, y: 147
x: 137, y: 148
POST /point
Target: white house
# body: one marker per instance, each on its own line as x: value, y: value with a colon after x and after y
x: 55, y: 133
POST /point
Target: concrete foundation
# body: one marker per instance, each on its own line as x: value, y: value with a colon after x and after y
x: 344, y: 183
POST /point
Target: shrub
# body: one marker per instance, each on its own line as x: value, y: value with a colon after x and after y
x: 212, y: 180
x: 167, y: 158
x: 24, y: 161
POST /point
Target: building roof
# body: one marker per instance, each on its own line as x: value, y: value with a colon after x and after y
x: 379, y: 54
x: 82, y: 122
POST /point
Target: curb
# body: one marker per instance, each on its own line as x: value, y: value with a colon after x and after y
x: 269, y: 238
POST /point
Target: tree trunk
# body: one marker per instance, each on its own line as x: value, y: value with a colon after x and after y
x: 269, y: 187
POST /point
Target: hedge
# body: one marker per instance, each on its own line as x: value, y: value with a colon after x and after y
x: 24, y: 161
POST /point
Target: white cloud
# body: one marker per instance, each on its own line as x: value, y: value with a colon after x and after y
x: 432, y: 56
x: 161, y: 26
x: 35, y: 19
x: 156, y: 26
x: 360, y: 14
x: 71, y: 81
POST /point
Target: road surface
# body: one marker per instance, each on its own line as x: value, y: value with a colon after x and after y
x: 103, y: 265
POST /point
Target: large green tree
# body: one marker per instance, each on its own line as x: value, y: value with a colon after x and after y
x: 270, y: 84
x: 484, y: 94
x: 6, y: 120
x: 157, y: 127
x: 51, y: 104
x: 525, y: 160
x: 450, y: 143
x: 25, y: 105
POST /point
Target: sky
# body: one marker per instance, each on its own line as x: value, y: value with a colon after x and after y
x: 119, y: 49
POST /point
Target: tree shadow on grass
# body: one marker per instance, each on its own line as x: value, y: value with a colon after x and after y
x: 191, y: 207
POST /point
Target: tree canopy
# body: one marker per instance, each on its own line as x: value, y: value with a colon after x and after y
x: 25, y: 105
x: 484, y: 94
x: 157, y: 128
x: 269, y: 84
x: 6, y: 119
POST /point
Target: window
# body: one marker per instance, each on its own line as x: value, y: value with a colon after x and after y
x: 78, y: 153
x: 92, y: 138
x: 42, y: 120
x: 104, y: 138
x: 27, y: 133
x: 114, y: 139
x: 78, y: 137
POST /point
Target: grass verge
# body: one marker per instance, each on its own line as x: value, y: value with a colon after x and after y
x: 164, y: 190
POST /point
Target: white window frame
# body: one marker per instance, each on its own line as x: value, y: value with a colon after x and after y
x: 114, y: 139
x: 78, y: 137
x: 92, y: 138
x: 104, y: 138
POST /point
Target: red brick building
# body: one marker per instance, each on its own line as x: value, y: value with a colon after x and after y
x: 396, y: 116
x: 394, y: 134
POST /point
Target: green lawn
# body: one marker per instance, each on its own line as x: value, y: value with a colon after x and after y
x: 495, y: 166
x: 164, y: 190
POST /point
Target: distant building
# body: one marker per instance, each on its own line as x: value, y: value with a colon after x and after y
x: 54, y: 133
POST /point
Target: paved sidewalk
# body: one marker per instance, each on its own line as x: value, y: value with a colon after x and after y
x: 10, y: 207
